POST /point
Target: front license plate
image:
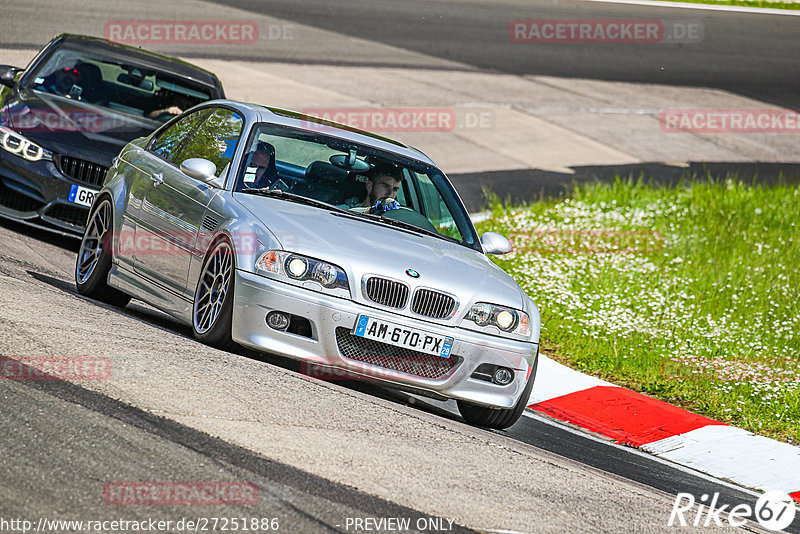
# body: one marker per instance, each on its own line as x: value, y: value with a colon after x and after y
x: 82, y: 195
x: 403, y: 336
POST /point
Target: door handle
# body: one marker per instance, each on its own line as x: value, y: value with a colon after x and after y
x: 157, y: 178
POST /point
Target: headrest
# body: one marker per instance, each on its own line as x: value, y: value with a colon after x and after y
x: 322, y: 171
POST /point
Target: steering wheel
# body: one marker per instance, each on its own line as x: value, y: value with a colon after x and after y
x: 407, y: 215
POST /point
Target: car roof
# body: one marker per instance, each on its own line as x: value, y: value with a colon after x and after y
x: 296, y: 119
x: 146, y: 57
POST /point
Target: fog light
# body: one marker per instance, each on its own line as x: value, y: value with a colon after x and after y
x: 278, y: 320
x: 503, y: 376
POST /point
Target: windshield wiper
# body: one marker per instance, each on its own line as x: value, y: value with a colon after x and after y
x: 291, y: 197
x: 404, y: 225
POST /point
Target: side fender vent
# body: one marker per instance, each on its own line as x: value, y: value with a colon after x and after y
x: 210, y: 223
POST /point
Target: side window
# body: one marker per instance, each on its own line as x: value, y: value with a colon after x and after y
x: 215, y: 140
x: 407, y: 195
x: 436, y: 209
x: 168, y: 143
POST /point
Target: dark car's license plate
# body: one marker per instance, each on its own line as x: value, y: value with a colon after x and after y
x: 82, y: 195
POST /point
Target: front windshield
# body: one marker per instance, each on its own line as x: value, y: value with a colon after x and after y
x: 360, y: 179
x: 116, y: 83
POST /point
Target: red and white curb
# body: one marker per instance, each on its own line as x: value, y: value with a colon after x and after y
x: 669, y: 432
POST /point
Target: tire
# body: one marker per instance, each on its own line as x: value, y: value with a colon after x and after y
x: 212, y: 311
x: 498, y: 418
x: 94, y: 257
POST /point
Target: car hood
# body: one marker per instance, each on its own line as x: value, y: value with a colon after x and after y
x: 362, y: 247
x: 65, y: 126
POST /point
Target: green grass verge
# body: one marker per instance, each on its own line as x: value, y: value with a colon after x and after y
x: 690, y: 294
x: 773, y: 4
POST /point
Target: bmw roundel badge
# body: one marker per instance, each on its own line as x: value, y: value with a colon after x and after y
x: 412, y: 273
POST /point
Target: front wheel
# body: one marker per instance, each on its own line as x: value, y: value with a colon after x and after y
x: 498, y: 418
x: 212, y: 313
x: 94, y: 258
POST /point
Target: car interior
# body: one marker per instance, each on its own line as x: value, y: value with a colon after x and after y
x: 120, y: 85
x: 341, y: 180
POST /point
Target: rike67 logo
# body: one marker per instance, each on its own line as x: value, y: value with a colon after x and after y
x: 774, y: 510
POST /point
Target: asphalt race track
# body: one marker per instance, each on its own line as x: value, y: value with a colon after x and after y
x: 325, y: 454
x: 84, y: 436
x: 319, y: 452
x: 65, y: 442
x: 752, y: 54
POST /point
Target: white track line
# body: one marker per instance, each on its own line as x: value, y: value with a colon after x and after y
x: 706, y: 7
x: 555, y: 380
x: 736, y: 454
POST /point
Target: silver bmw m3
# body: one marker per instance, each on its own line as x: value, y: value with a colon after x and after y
x: 296, y: 236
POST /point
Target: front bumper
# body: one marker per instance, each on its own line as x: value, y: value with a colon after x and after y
x: 255, y: 296
x: 37, y: 194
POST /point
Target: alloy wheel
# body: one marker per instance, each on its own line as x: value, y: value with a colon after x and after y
x: 213, y: 287
x: 93, y: 241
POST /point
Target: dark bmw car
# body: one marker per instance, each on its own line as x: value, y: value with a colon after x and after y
x: 65, y: 117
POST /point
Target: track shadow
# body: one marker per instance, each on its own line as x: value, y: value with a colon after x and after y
x: 528, y: 185
x: 134, y: 309
x: 63, y: 285
x: 60, y: 241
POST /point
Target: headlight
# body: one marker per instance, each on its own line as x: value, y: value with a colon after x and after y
x: 481, y: 313
x: 326, y: 274
x: 506, y: 319
x: 12, y: 142
x: 296, y: 267
x: 301, y: 268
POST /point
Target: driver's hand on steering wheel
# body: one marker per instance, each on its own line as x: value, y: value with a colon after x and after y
x: 171, y: 110
x: 382, y: 206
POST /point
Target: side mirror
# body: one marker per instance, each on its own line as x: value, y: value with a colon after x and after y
x: 7, y: 75
x: 494, y: 243
x: 199, y: 169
